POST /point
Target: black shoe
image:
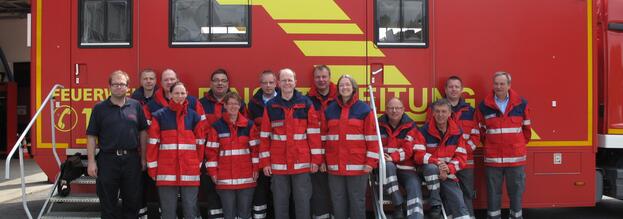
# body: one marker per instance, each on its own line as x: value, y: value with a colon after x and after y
x: 435, y: 212
x: 397, y: 212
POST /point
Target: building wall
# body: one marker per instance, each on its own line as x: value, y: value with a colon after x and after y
x: 13, y: 37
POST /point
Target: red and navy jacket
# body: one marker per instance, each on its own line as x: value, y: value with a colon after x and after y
x: 351, y: 137
x: 214, y: 109
x: 505, y: 134
x: 290, y: 135
x: 400, y: 142
x: 232, y: 152
x: 256, y: 106
x: 449, y: 148
x: 176, y: 146
x: 321, y: 102
x: 159, y: 101
x: 465, y: 117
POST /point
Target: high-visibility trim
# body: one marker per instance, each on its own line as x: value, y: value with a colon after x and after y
x: 413, y: 201
x: 211, y: 164
x: 313, y: 130
x: 299, y: 136
x: 392, y: 189
x: 470, y: 162
x: 405, y: 167
x: 234, y: 181
x: 461, y: 150
x: 254, y: 142
x: 451, y: 176
x: 419, y: 147
x: 265, y: 154
x: 466, y: 136
x: 259, y: 216
x: 324, y: 216
x: 200, y: 141
x: 475, y: 131
x: 333, y: 167
x: 391, y: 179
x: 504, y: 131
x: 203, y: 117
x: 490, y: 116
x: 255, y: 160
x: 265, y: 134
x: 279, y: 137
x: 444, y: 159
x: 357, y: 137
x: 317, y: 151
x: 409, y: 138
x: 148, y: 122
x: 471, y: 144
x: 189, y: 178
x: 505, y: 159
x: 390, y: 150
x: 463, y: 217
x: 494, y: 213
x: 152, y: 164
x: 178, y: 147
x: 527, y: 122
x: 415, y: 210
x: 402, y: 154
x: 224, y: 135
x: 323, y: 137
x: 371, y: 138
x: 373, y: 155
x: 383, y: 136
x: 431, y: 145
x: 457, y: 167
x: 427, y: 157
x: 234, y: 152
x: 212, y: 144
x: 431, y: 178
x: 279, y: 166
x: 433, y: 186
x: 354, y: 167
x: 260, y: 207
x: 298, y: 166
x: 332, y: 137
x: 216, y: 211
x: 153, y: 140
x: 166, y: 178
x: 276, y: 124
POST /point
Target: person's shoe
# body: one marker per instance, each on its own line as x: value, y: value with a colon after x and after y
x: 435, y: 212
x: 398, y: 213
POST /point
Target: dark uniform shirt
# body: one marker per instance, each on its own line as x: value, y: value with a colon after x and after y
x: 117, y: 127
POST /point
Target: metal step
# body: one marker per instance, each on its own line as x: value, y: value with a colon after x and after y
x: 71, y: 215
x: 76, y: 198
x: 84, y: 180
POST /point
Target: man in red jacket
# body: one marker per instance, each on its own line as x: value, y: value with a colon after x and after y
x: 289, y: 142
x: 504, y: 121
x: 445, y: 155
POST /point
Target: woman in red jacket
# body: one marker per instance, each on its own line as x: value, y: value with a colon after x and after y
x: 351, y: 149
x: 175, y: 152
x: 232, y: 163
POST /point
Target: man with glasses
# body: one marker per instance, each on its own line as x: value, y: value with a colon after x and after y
x: 119, y: 128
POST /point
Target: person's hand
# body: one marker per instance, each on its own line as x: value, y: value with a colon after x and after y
x: 388, y: 158
x: 443, y: 166
x: 92, y: 168
x: 256, y: 174
x: 367, y: 168
x: 314, y: 168
x: 323, y: 167
x: 213, y: 179
x: 268, y: 171
x: 143, y: 164
x: 443, y: 175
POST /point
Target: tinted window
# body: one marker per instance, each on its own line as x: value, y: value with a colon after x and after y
x: 401, y: 23
x: 105, y: 23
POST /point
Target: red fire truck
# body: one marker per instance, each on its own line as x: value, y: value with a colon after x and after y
x: 565, y: 58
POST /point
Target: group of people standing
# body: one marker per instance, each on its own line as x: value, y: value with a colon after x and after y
x: 315, y: 151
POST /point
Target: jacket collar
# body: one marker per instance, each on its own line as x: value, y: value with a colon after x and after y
x: 241, y: 121
x: 453, y: 128
x: 313, y: 92
x: 513, y: 99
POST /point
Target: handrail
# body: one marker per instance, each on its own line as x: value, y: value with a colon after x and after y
x: 382, y: 173
x: 7, y: 165
x: 18, y: 145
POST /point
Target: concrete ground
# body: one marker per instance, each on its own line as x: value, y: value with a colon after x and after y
x: 38, y: 189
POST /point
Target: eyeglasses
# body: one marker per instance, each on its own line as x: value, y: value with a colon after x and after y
x: 119, y: 85
x: 394, y: 108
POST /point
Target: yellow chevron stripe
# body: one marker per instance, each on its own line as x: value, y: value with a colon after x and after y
x: 392, y: 75
x: 338, y: 48
x: 296, y: 9
x: 320, y: 28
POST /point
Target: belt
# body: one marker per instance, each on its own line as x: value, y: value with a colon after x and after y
x: 122, y: 152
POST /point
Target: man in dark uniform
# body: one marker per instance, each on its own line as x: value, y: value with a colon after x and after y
x: 118, y: 126
x: 148, y: 86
